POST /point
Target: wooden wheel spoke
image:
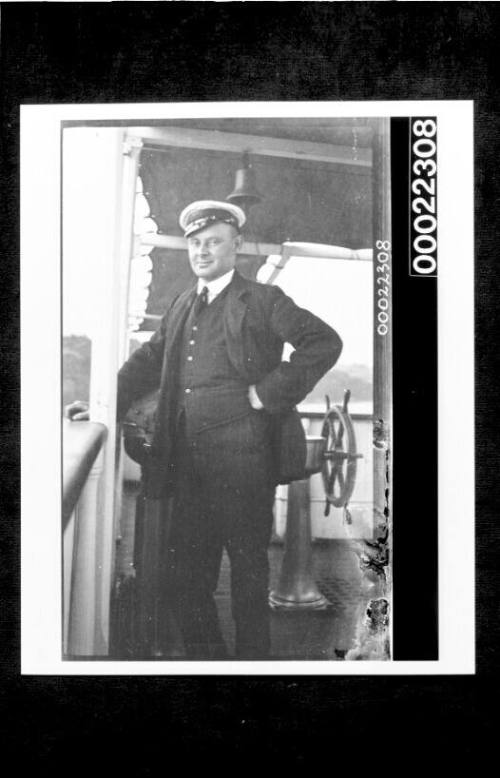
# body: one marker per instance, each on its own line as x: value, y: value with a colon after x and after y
x: 340, y: 437
x: 332, y: 477
x: 339, y: 468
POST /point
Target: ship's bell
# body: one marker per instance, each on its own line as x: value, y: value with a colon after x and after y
x: 245, y: 192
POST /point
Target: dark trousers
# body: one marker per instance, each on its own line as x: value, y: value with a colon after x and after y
x: 223, y: 499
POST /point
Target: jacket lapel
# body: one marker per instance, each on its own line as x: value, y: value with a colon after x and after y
x: 178, y: 315
x: 177, y: 319
x: 235, y: 311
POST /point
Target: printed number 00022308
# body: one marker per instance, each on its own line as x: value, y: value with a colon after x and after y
x: 384, y: 268
x: 423, y: 205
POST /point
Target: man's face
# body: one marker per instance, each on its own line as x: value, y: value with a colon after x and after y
x: 212, y: 251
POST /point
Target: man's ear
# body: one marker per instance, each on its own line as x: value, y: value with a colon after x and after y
x: 238, y: 242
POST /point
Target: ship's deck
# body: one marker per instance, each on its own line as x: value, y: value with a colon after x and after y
x: 295, y: 635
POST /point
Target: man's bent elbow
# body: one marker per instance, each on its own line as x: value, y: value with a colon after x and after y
x: 335, y: 348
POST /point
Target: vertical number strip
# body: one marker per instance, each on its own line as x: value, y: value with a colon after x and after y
x: 383, y: 282
x: 423, y: 188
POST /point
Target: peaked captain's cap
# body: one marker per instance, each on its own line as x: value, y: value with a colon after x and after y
x: 204, y: 213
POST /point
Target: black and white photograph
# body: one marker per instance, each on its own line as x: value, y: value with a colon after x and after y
x: 254, y: 248
x: 240, y: 291
x: 242, y: 473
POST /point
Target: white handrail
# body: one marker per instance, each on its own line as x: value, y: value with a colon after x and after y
x: 82, y: 472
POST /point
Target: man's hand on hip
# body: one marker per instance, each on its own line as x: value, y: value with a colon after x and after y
x: 254, y: 398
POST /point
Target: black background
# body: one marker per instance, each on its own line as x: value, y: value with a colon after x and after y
x: 182, y: 51
x: 415, y: 591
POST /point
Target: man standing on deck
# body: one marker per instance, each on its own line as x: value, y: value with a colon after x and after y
x: 226, y: 430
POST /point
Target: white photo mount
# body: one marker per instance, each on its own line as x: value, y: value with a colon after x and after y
x: 42, y: 584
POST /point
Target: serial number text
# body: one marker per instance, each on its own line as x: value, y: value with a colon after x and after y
x: 382, y: 284
x: 423, y: 181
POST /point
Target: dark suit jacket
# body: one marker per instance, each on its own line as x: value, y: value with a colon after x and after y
x: 259, y: 319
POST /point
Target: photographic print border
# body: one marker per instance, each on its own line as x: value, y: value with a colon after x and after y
x: 453, y: 256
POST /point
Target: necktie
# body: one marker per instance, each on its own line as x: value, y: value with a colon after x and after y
x: 200, y: 302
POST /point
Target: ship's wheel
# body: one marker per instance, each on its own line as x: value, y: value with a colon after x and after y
x: 340, y: 457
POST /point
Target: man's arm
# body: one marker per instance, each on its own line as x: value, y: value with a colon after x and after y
x: 141, y: 373
x: 317, y: 348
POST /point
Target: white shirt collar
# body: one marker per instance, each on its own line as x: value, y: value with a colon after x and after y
x: 216, y: 286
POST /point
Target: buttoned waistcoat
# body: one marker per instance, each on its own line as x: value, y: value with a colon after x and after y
x: 258, y: 320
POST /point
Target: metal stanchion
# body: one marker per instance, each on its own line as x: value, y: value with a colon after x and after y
x: 334, y: 455
x: 297, y: 588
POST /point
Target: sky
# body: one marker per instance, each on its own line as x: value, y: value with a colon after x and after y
x: 339, y: 291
